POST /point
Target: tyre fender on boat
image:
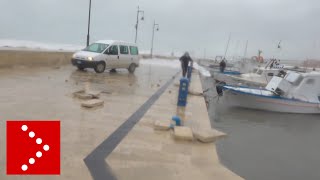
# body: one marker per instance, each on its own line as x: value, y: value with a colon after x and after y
x: 219, y: 88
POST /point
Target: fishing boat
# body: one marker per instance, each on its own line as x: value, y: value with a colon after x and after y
x: 293, y: 93
x: 215, y: 68
x: 261, y: 75
x: 226, y: 72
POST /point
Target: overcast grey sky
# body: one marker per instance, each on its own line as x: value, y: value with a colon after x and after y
x: 192, y: 25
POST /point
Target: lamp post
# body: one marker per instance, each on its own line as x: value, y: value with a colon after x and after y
x: 153, y: 28
x: 88, y: 35
x: 137, y: 24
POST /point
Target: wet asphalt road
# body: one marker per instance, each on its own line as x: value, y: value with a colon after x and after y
x: 266, y: 145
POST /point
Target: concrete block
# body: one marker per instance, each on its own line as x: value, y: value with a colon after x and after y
x: 208, y: 135
x: 92, y: 103
x: 83, y: 96
x: 183, y: 133
x: 106, y: 92
x: 79, y: 91
x: 94, y: 94
x: 194, y: 93
x: 162, y: 125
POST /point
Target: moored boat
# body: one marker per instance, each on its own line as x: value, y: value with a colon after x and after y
x: 260, y: 76
x: 293, y: 93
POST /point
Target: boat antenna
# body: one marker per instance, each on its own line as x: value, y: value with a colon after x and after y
x: 225, y: 53
x: 279, y: 44
x: 245, y: 51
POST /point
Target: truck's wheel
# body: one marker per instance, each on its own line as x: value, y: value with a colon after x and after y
x: 132, y: 68
x: 100, y: 67
x: 80, y: 68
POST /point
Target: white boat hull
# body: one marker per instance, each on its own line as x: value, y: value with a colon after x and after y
x: 250, y: 101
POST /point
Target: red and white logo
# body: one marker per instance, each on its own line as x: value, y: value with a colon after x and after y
x: 33, y: 147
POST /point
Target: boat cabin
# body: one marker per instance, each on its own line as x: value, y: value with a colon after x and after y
x: 294, y: 85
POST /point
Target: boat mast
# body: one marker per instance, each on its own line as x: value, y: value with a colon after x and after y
x: 245, y: 51
x: 225, y: 53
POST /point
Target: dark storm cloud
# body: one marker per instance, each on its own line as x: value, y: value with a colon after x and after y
x: 192, y: 25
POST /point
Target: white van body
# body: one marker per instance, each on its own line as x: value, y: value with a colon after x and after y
x: 107, y: 54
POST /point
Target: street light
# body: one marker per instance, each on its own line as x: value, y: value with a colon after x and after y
x: 88, y: 36
x: 137, y: 24
x: 154, y: 26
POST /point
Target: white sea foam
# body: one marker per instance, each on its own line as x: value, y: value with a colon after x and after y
x: 5, y: 43
x: 174, y: 64
x: 202, y: 70
x: 161, y: 62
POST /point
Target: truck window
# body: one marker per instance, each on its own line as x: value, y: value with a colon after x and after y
x: 124, y: 50
x: 134, y: 50
x: 96, y: 47
x: 113, y: 50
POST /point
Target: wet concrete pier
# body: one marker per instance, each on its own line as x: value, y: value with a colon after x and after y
x: 116, y: 140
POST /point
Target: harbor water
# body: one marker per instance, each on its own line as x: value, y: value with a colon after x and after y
x: 265, y: 145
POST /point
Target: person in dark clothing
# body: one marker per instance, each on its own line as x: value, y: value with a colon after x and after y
x: 185, y: 59
x: 222, y: 65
